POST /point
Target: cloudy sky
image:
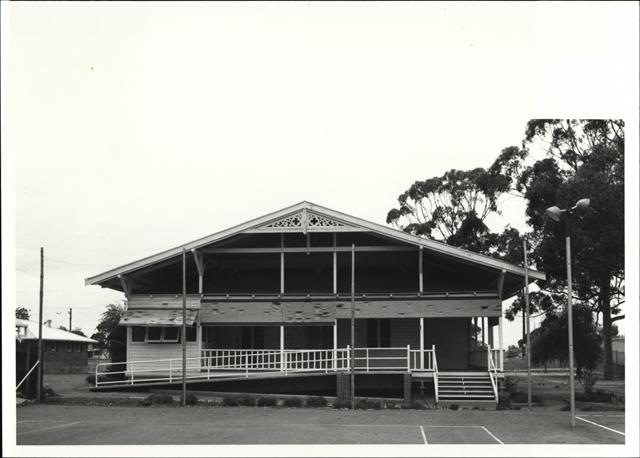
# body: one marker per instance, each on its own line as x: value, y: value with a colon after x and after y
x: 132, y: 128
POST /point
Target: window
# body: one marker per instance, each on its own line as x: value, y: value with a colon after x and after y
x: 154, y: 334
x: 171, y: 334
x: 138, y: 333
x: 69, y: 347
x: 168, y: 334
x: 53, y: 346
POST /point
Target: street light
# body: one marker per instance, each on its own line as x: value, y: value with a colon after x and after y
x: 556, y: 214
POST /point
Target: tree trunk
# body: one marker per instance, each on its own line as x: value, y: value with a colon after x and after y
x: 606, y: 331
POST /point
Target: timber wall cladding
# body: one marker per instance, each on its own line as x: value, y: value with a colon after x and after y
x: 326, y: 311
x: 160, y: 301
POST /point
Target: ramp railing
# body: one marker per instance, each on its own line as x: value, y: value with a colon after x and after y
x: 221, y: 363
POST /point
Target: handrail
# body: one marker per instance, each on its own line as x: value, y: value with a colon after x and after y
x: 435, y: 372
x: 493, y: 372
x: 28, y: 373
x: 216, y: 362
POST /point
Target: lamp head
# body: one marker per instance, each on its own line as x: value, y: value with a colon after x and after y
x: 581, y: 206
x: 554, y: 213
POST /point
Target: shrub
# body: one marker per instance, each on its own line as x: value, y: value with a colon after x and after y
x: 511, y: 384
x: 145, y: 402
x: 406, y: 405
x: 390, y: 404
x: 454, y: 406
x: 230, y: 401
x: 191, y: 399
x: 246, y: 400
x: 158, y: 398
x: 293, y: 402
x: 47, y: 392
x: 504, y: 402
x: 341, y: 404
x: 596, y: 396
x: 91, y: 379
x: 267, y: 402
x: 316, y: 401
x: 368, y: 404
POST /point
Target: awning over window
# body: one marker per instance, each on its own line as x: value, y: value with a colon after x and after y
x: 157, y: 317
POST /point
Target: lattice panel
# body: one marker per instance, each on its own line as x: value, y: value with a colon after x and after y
x: 290, y: 221
x: 305, y: 221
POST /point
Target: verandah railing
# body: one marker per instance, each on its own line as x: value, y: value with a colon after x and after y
x: 218, y: 363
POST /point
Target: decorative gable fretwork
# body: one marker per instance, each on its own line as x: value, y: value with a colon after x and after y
x: 305, y: 221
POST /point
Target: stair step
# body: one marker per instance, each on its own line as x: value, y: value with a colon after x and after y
x: 461, y: 396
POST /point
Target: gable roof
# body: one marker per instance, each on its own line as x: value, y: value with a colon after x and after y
x: 48, y: 333
x: 338, y: 221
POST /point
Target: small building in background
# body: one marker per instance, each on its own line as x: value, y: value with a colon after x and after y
x: 63, y: 352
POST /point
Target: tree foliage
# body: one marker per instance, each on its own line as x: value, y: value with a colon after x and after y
x: 22, y: 313
x: 549, y: 342
x: 104, y: 335
x: 453, y: 207
x: 585, y: 159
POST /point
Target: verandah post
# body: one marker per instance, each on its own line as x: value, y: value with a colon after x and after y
x: 335, y: 344
x: 281, y: 347
x: 421, y: 343
x: 408, y: 358
x: 501, y: 362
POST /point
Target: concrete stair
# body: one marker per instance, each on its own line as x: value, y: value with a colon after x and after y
x: 463, y: 387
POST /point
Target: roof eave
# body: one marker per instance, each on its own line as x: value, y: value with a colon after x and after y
x: 374, y: 227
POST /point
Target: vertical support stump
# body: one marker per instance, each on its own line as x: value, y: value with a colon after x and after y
x: 343, y: 388
x: 406, y: 387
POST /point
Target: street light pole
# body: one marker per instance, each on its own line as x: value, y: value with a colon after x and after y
x: 572, y: 398
x: 556, y: 214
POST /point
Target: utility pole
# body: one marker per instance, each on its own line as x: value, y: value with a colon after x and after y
x: 70, y: 314
x: 526, y: 304
x: 39, y: 387
x: 184, y: 327
x: 353, y: 325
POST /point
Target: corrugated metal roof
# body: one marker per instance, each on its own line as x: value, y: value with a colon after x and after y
x: 157, y: 317
x: 48, y: 333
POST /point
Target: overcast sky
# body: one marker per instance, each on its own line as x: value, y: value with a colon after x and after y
x: 131, y: 128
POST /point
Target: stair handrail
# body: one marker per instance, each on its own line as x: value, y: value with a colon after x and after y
x: 28, y: 373
x: 493, y: 372
x: 435, y: 371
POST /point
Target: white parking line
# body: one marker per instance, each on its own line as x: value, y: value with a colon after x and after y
x: 601, y: 426
x: 424, y: 436
x: 492, y: 435
x: 64, y: 425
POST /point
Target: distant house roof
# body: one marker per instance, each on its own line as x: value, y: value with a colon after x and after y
x: 336, y: 221
x: 48, y: 333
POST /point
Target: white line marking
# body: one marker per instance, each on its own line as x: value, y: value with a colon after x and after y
x: 424, y: 436
x: 492, y: 435
x: 601, y: 426
x: 64, y: 425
